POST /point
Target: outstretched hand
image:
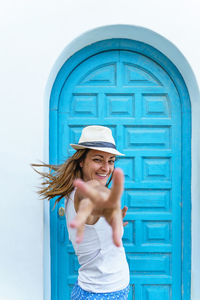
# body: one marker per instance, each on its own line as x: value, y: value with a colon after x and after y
x: 97, y: 200
x: 124, y: 211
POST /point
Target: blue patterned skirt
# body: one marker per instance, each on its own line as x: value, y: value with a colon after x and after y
x: 79, y: 294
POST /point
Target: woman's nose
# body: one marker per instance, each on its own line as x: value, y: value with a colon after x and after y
x: 105, y: 166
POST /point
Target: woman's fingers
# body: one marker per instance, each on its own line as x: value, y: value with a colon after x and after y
x: 79, y: 233
x: 84, y: 210
x: 88, y: 190
x: 117, y: 186
x: 124, y: 211
x: 116, y: 224
x: 100, y: 195
x: 125, y: 224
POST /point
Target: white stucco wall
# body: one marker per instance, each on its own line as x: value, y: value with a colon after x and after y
x: 33, y: 35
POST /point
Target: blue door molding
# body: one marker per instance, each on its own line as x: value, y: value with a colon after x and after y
x: 170, y: 69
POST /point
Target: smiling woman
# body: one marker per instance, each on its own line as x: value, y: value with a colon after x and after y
x: 93, y: 214
x: 98, y: 165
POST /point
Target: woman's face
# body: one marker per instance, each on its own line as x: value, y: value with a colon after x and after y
x: 98, y: 165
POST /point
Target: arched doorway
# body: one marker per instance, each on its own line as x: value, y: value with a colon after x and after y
x: 136, y: 91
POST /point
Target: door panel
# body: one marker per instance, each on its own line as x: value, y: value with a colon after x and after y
x: 134, y: 96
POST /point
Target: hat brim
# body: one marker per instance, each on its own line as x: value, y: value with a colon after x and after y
x: 103, y: 149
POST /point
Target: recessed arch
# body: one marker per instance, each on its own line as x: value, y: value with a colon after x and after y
x: 130, y: 33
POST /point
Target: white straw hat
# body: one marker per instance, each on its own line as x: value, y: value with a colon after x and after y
x: 97, y: 138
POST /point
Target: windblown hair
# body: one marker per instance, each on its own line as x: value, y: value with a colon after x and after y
x: 59, y: 180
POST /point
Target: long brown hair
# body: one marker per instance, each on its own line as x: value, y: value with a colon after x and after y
x: 59, y: 180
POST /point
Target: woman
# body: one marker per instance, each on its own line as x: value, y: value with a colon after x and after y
x: 93, y: 214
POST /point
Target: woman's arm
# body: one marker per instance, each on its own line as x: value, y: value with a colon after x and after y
x: 97, y: 200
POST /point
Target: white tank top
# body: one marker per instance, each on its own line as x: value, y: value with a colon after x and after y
x: 103, y: 266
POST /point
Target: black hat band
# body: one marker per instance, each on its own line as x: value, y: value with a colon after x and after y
x: 98, y: 144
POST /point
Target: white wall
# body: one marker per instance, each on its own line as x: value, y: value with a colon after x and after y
x: 33, y: 34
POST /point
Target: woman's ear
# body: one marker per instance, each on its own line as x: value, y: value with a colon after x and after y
x: 81, y: 164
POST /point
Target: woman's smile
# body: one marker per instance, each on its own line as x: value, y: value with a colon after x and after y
x: 98, y: 165
x: 102, y: 176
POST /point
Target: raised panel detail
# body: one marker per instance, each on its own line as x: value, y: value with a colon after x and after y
x: 155, y: 232
x: 129, y: 234
x: 120, y: 105
x: 156, y: 106
x: 156, y: 168
x: 156, y: 292
x: 127, y: 164
x: 148, y: 200
x: 149, y: 263
x: 73, y: 264
x: 105, y: 75
x: 137, y: 76
x: 145, y: 137
x: 84, y: 105
x: 74, y: 133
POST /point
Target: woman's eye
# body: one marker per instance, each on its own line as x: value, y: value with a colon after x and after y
x: 97, y: 160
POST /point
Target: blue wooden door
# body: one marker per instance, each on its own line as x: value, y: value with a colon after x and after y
x: 133, y: 95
